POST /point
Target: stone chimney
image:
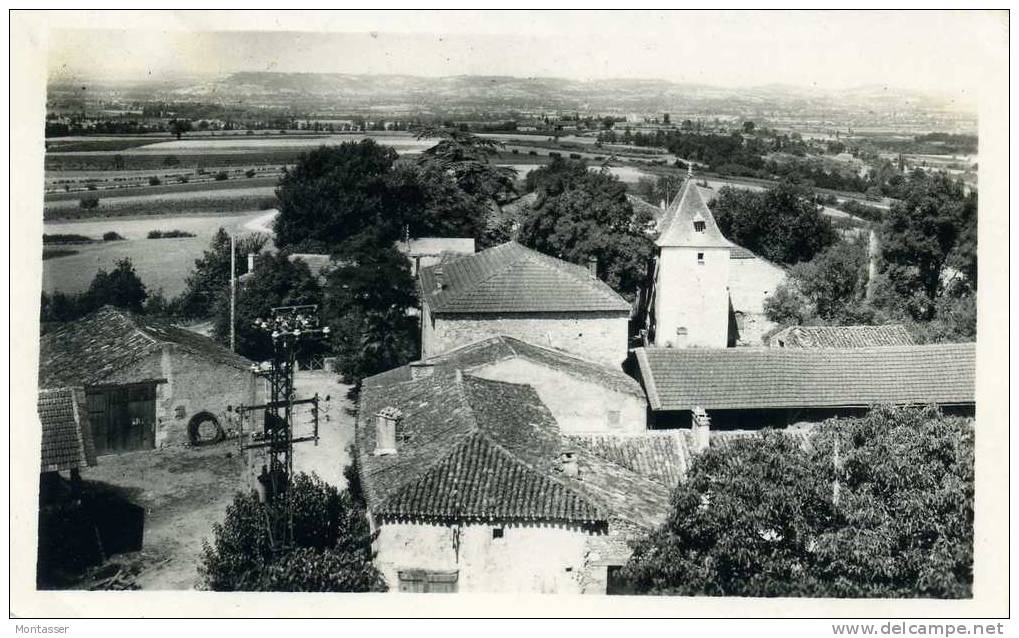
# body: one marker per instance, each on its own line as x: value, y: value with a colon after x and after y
x: 439, y: 278
x: 569, y: 462
x: 592, y: 266
x: 701, y: 427
x: 251, y: 262
x: 385, y: 430
x: 421, y: 369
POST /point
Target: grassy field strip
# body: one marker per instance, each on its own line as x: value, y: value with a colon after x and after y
x: 203, y: 193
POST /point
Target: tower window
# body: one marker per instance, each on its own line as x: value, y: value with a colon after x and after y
x: 497, y: 532
x: 700, y: 258
x: 698, y: 226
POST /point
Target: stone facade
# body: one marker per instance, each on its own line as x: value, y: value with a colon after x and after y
x: 193, y: 385
x: 751, y: 281
x: 595, y: 336
x: 579, y: 406
x: 692, y: 297
x: 497, y: 556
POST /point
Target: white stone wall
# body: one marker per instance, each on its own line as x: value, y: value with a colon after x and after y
x: 751, y: 281
x: 529, y: 558
x: 692, y: 294
x: 600, y: 337
x: 579, y: 406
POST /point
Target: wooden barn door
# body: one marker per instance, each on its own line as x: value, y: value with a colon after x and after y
x: 123, y: 418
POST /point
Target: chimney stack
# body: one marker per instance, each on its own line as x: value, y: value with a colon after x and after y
x: 439, y: 282
x: 385, y: 430
x: 421, y: 369
x: 570, y: 467
x: 701, y: 427
x: 592, y: 266
x: 251, y: 262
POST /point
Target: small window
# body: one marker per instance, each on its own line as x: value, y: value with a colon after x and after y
x: 612, y: 417
x: 498, y: 532
x: 700, y: 258
x: 698, y: 226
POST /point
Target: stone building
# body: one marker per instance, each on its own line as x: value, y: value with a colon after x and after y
x: 752, y: 279
x: 516, y: 291
x: 751, y: 388
x: 473, y: 486
x: 584, y: 397
x: 67, y: 444
x: 147, y: 384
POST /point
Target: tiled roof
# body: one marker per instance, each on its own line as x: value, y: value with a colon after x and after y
x: 840, y: 337
x: 511, y: 278
x: 662, y: 456
x: 500, y: 348
x: 89, y: 350
x: 66, y: 436
x: 677, y: 225
x: 747, y: 378
x: 469, y: 448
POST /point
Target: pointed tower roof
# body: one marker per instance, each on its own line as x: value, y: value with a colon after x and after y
x: 678, y: 224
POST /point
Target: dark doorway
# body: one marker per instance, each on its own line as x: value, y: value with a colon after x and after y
x: 123, y: 418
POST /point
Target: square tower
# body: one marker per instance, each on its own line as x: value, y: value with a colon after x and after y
x: 691, y: 297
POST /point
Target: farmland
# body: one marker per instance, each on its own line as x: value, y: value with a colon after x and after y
x: 161, y: 264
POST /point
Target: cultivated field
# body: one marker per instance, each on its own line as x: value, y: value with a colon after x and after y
x: 160, y: 263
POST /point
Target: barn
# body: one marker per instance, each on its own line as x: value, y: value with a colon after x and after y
x: 147, y: 384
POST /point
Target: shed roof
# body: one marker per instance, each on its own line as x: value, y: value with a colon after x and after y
x: 749, y: 378
x: 510, y: 278
x: 89, y: 350
x: 502, y: 347
x: 840, y: 337
x: 66, y: 436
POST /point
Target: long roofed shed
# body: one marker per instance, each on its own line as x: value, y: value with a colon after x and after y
x: 767, y: 378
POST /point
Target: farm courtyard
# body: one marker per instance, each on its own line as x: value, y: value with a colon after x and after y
x: 186, y: 490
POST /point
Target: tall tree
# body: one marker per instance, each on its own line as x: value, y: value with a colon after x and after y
x: 121, y: 287
x: 932, y: 228
x: 276, y: 281
x: 579, y: 214
x: 210, y: 277
x: 880, y: 506
x: 782, y: 224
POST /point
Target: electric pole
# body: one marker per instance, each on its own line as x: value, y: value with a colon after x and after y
x: 233, y: 292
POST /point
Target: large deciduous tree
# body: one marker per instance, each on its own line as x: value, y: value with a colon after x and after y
x: 579, y: 214
x: 782, y: 224
x: 880, y: 506
x: 932, y: 229
x: 210, y: 278
x: 120, y: 287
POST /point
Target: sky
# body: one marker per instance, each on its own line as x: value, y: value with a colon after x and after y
x: 933, y: 51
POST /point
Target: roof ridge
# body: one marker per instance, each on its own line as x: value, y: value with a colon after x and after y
x: 500, y: 268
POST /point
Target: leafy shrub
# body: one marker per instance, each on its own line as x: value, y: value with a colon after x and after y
x: 169, y: 234
x: 65, y: 238
x: 112, y: 235
x: 53, y: 253
x: 155, y: 181
x: 249, y: 173
x: 88, y: 202
x: 514, y: 151
x: 574, y: 155
x: 532, y: 152
x: 90, y: 187
x: 182, y: 179
x: 222, y: 176
x: 331, y: 552
x: 267, y: 203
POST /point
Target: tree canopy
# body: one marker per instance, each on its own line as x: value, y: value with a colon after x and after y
x: 276, y: 281
x: 880, y: 506
x: 781, y: 224
x: 210, y: 278
x: 331, y: 552
x: 579, y: 214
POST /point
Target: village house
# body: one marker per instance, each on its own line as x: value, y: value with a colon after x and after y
x: 584, y: 397
x: 516, y: 291
x: 464, y: 477
x: 757, y: 387
x: 147, y: 384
